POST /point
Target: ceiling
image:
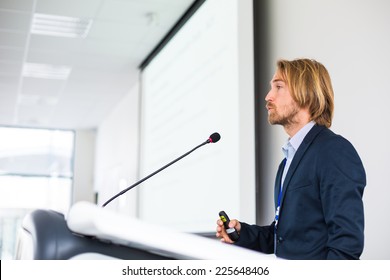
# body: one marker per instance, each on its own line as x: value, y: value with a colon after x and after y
x: 104, y: 64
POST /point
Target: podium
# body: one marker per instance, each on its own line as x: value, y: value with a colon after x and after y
x: 91, y: 232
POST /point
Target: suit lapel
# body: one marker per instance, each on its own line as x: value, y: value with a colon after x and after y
x: 298, y: 156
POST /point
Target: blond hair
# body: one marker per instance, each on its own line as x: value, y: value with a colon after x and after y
x: 310, y: 86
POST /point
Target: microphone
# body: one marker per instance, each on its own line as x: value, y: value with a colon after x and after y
x: 214, y: 138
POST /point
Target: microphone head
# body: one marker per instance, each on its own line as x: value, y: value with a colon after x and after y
x: 214, y: 138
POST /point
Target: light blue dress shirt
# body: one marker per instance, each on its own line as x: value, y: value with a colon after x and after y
x: 292, y: 146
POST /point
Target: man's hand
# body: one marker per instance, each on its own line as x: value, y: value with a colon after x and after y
x: 221, y: 232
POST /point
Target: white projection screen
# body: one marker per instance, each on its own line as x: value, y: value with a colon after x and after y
x: 199, y: 83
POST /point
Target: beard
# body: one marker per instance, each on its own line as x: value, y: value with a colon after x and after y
x: 284, y: 117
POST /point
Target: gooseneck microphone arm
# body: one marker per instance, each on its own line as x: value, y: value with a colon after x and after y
x: 212, y: 139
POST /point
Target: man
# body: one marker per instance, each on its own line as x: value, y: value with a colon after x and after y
x: 319, y: 185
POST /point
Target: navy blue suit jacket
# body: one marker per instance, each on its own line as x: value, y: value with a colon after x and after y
x: 321, y: 213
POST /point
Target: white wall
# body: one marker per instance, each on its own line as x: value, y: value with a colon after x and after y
x: 117, y: 154
x: 352, y: 39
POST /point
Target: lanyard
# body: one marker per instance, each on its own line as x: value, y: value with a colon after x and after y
x: 277, y: 213
x: 277, y: 217
x: 278, y: 209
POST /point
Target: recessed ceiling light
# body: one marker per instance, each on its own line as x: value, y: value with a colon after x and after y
x: 46, y: 71
x: 37, y: 100
x: 53, y: 25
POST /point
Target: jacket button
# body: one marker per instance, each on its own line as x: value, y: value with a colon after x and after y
x: 280, y: 239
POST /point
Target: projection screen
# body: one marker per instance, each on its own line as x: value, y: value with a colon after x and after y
x: 199, y: 83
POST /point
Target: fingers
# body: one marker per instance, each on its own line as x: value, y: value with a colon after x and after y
x: 221, y: 232
x: 235, y: 224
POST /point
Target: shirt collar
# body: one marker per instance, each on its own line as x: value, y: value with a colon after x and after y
x: 297, y: 139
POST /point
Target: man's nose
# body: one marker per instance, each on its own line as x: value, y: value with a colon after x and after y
x: 268, y: 97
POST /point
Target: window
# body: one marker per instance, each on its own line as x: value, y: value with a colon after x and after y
x: 36, y: 171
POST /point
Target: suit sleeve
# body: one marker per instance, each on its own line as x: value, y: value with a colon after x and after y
x: 259, y: 238
x: 342, y: 181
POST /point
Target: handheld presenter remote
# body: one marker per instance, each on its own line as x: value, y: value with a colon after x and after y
x: 232, y: 232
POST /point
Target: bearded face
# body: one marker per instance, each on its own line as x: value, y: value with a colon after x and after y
x: 282, y: 114
x: 282, y: 109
